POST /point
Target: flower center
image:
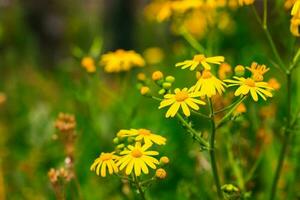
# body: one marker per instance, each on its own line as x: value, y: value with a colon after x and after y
x: 144, y: 132
x: 181, y: 96
x: 106, y: 156
x: 250, y: 82
x: 206, y: 74
x: 136, y: 153
x: 199, y: 57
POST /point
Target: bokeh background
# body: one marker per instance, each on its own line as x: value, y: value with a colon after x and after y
x: 41, y: 76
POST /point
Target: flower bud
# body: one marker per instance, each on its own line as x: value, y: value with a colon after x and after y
x: 144, y: 90
x: 141, y: 76
x: 167, y: 85
x: 120, y: 146
x: 164, y: 160
x: 239, y: 70
x: 170, y: 79
x: 157, y: 75
x: 161, y: 173
x: 162, y: 92
x: 116, y: 140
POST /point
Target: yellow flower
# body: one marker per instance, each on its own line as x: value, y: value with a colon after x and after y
x: 105, y: 160
x: 296, y: 8
x: 208, y: 85
x: 138, y: 158
x: 182, y: 98
x: 258, y: 71
x: 245, y: 2
x: 185, y: 5
x: 164, y: 160
x: 224, y: 70
x: 200, y: 59
x: 121, y: 60
x: 295, y: 24
x: 89, y: 64
x: 143, y: 134
x: 249, y: 85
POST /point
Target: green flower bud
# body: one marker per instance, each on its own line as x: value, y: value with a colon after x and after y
x: 167, y: 85
x: 170, y: 79
x: 239, y: 70
x: 116, y: 140
x: 162, y: 92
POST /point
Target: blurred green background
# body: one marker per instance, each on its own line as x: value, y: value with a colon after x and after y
x: 40, y: 77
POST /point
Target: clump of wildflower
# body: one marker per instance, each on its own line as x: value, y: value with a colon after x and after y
x: 103, y: 162
x: 58, y: 178
x: 121, y: 60
x: 141, y: 76
x: 144, y: 135
x: 208, y: 85
x: 200, y: 59
x: 184, y: 98
x: 88, y: 64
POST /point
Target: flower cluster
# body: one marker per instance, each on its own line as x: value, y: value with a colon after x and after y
x: 132, y: 155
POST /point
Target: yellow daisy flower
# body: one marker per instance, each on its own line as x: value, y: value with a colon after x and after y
x: 143, y: 134
x: 200, y: 59
x: 121, y: 60
x: 138, y: 158
x: 105, y: 160
x: 208, y: 85
x: 182, y: 98
x: 257, y: 71
x: 249, y: 85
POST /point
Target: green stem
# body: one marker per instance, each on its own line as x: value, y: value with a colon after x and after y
x: 233, y: 108
x: 286, y: 139
x: 192, y: 41
x: 270, y: 40
x: 194, y: 134
x: 265, y: 16
x: 138, y: 187
x: 212, y: 151
x: 200, y: 114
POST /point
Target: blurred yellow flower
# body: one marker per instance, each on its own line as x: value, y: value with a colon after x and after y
x: 295, y: 24
x: 257, y: 71
x: 273, y: 83
x: 240, y: 109
x: 153, y: 55
x: 143, y: 135
x: 89, y: 64
x: 137, y: 158
x: 289, y: 3
x: 185, y: 5
x: 2, y: 97
x: 105, y: 160
x: 144, y: 90
x: 249, y: 85
x: 200, y: 59
x: 121, y: 60
x: 208, y: 85
x: 224, y: 71
x: 164, y: 160
x: 182, y: 98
